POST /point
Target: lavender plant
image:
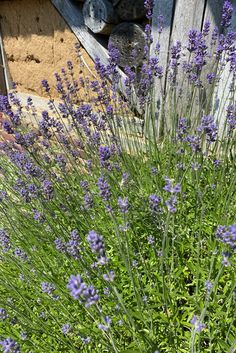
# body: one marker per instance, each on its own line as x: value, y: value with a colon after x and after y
x: 115, y: 241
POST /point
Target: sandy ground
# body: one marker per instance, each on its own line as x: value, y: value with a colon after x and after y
x: 37, y: 43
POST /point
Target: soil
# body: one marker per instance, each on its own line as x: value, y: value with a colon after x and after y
x: 38, y: 43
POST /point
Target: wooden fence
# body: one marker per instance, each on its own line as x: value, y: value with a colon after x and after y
x: 96, y: 22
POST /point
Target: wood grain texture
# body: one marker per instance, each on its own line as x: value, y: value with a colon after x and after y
x: 186, y: 16
x: 3, y: 83
x: 72, y: 14
x: 99, y: 16
x: 213, y: 12
x: 161, y: 8
x: 129, y: 39
x: 222, y: 95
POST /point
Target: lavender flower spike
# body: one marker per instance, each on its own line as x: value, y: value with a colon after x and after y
x: 226, y: 14
x: 96, y: 243
x: 9, y: 346
x: 198, y: 325
x: 80, y: 291
x: 123, y: 204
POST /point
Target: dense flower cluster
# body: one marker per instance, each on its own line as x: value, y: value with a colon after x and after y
x: 4, y: 240
x: 227, y: 235
x: 9, y: 346
x: 88, y: 295
x: 97, y: 163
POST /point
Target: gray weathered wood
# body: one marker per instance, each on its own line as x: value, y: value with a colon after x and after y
x: 129, y: 39
x: 3, y: 83
x: 99, y: 16
x: 129, y: 10
x: 213, y: 12
x: 163, y: 8
x: 222, y: 94
x: 187, y: 16
x: 74, y: 18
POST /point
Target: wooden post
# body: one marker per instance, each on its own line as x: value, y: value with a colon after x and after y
x: 99, y: 16
x: 163, y: 8
x: 3, y: 84
x: 222, y: 94
x: 129, y: 39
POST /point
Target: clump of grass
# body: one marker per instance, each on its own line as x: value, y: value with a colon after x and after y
x: 115, y: 241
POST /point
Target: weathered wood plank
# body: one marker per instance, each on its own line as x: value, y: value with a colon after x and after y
x: 222, y: 93
x: 3, y: 83
x: 187, y: 15
x: 161, y: 8
x: 213, y: 12
x: 74, y: 18
x: 99, y: 16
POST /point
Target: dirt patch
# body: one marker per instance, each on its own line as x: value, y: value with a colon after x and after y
x: 38, y: 43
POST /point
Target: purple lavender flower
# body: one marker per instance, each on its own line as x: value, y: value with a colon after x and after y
x: 154, y: 171
x: 9, y: 346
x: 125, y: 179
x: 80, y: 291
x: 183, y: 128
x: 154, y: 202
x: 3, y: 314
x: 208, y: 286
x: 73, y: 245
x: 60, y: 245
x: 226, y: 14
x: 96, y: 243
x: 21, y: 254
x: 109, y: 276
x: 66, y: 329
x: 227, y: 235
x: 160, y: 24
x: 103, y: 186
x: 7, y: 126
x: 88, y: 201
x: 48, y: 288
x: 45, y: 85
x: 206, y: 28
x: 171, y: 204
x: 211, y: 77
x: 231, y: 117
x: 4, y: 240
x: 150, y: 240
x: 198, y: 326
x: 48, y: 189
x: 193, y: 142
x: 175, y: 51
x: 217, y: 163
x: 107, y: 325
x: 149, y: 4
x: 104, y: 155
x: 100, y: 68
x: 86, y: 340
x: 123, y: 204
x: 209, y: 127
x: 38, y: 216
x: 169, y: 187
